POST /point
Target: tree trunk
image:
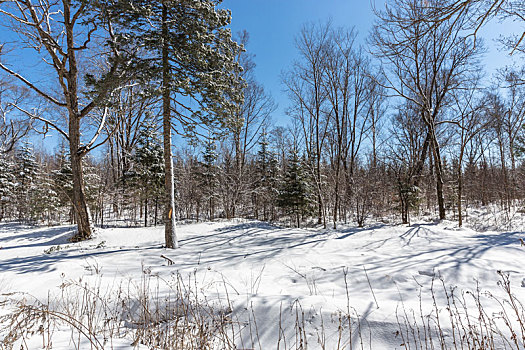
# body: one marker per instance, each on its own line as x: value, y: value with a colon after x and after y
x: 439, y: 177
x: 156, y: 210
x: 82, y: 215
x: 146, y: 212
x: 170, y: 235
x: 460, y: 194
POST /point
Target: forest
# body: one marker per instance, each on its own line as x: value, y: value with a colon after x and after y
x: 407, y: 125
x: 148, y: 116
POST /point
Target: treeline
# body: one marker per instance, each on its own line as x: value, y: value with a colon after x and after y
x: 275, y: 182
x: 406, y: 125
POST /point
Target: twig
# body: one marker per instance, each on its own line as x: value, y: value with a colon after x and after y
x: 370, y: 285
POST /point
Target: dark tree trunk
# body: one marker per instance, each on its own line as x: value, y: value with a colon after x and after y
x: 439, y: 177
x: 156, y: 210
x: 146, y: 212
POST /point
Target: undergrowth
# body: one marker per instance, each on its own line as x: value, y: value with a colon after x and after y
x: 157, y: 313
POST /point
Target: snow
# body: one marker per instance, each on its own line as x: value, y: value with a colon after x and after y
x: 374, y: 273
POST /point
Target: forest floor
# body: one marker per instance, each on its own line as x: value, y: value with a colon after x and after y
x: 279, y: 285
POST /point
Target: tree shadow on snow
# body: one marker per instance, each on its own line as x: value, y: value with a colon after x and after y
x: 256, y: 240
x: 452, y: 256
x: 49, y: 262
x: 56, y: 234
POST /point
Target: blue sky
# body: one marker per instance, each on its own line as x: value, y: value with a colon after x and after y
x: 273, y: 24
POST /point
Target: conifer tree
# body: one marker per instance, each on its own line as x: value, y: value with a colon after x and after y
x: 148, y: 171
x: 45, y: 201
x: 295, y: 192
x: 7, y: 185
x: 185, y: 50
x: 63, y: 183
x: 267, y: 171
x: 25, y: 173
x: 209, y: 181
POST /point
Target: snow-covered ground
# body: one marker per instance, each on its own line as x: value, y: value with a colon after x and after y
x: 381, y: 275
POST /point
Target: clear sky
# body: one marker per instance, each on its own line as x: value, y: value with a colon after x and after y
x: 273, y: 24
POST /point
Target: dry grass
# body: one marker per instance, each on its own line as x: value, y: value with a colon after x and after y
x: 171, y: 314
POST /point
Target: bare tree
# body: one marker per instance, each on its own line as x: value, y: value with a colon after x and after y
x: 468, y: 118
x: 13, y: 127
x: 481, y: 12
x: 60, y: 32
x: 349, y: 91
x: 305, y: 85
x: 409, y: 146
x: 245, y: 129
x: 341, y: 65
x: 426, y: 64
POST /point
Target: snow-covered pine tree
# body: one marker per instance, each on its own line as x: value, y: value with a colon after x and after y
x: 266, y: 183
x: 63, y: 183
x: 295, y: 191
x: 209, y: 171
x: 148, y: 168
x: 185, y: 50
x: 93, y: 184
x: 26, y: 168
x: 7, y: 186
x: 45, y: 201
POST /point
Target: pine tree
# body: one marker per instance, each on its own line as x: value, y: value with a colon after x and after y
x: 186, y: 50
x: 266, y: 172
x: 25, y: 173
x: 45, y: 202
x: 7, y: 185
x: 295, y: 192
x: 148, y: 170
x: 63, y: 183
x: 209, y: 181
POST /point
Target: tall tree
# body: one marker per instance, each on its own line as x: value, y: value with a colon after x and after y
x: 427, y: 63
x: 60, y: 32
x: 249, y: 118
x: 188, y: 56
x: 305, y: 85
x: 294, y: 194
x: 266, y: 181
x: 469, y: 121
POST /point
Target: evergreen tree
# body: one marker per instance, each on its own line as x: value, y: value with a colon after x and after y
x: 25, y: 174
x: 209, y: 181
x: 295, y: 192
x: 148, y: 171
x: 266, y: 172
x: 63, y: 180
x: 186, y: 50
x: 7, y: 185
x: 45, y: 202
